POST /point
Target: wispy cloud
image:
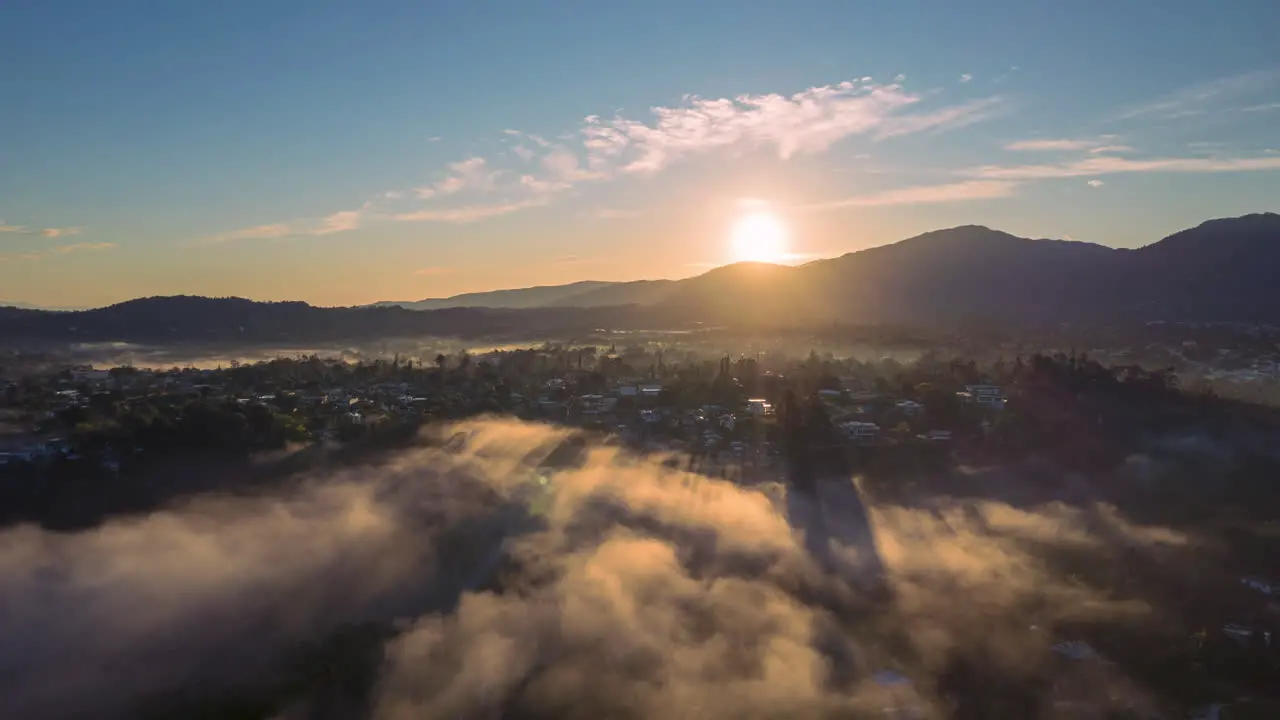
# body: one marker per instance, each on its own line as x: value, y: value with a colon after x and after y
x: 923, y: 194
x: 473, y: 173
x: 1096, y: 183
x: 1201, y: 98
x: 59, y: 232
x: 1051, y: 145
x: 1098, y: 146
x: 542, y: 186
x: 49, y: 232
x: 342, y: 221
x: 339, y: 222
x: 946, y: 119
x: 1107, y: 165
x: 58, y: 250
x: 1111, y: 149
x: 257, y: 232
x: 562, y: 165
x: 469, y: 213
x: 64, y: 249
x: 535, y: 139
x: 966, y: 78
x: 807, y: 122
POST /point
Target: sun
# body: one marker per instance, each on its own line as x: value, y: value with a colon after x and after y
x: 759, y: 237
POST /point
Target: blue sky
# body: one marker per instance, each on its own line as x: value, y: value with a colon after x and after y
x: 344, y: 152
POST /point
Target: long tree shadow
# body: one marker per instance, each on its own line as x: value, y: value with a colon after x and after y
x: 826, y: 509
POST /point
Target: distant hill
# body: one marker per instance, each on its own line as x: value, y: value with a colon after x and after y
x: 587, y: 293
x: 29, y: 306
x: 158, y: 320
x: 519, y: 298
x: 1221, y: 270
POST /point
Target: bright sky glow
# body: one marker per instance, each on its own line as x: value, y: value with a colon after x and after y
x: 344, y: 153
x: 759, y: 237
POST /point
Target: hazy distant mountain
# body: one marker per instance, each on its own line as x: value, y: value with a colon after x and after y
x: 531, y: 297
x: 29, y: 306
x: 1221, y: 270
x: 587, y: 293
x: 233, y: 320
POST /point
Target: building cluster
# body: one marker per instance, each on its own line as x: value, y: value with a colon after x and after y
x: 720, y: 416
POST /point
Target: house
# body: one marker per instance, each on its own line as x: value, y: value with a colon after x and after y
x: 596, y: 404
x: 936, y: 436
x: 649, y: 390
x: 909, y: 407
x: 860, y: 431
x: 91, y: 375
x: 759, y: 407
x: 983, y: 396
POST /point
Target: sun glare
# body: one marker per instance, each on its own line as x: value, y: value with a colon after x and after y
x: 759, y: 237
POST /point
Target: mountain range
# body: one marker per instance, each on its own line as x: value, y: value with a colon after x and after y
x: 1220, y: 270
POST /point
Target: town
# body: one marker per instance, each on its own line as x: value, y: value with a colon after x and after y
x: 722, y: 414
x: 751, y: 418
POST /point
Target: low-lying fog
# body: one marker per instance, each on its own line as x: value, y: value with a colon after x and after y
x: 630, y: 590
x: 704, y: 347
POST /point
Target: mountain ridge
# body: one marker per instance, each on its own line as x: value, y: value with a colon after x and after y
x: 1219, y: 270
x: 601, y: 292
